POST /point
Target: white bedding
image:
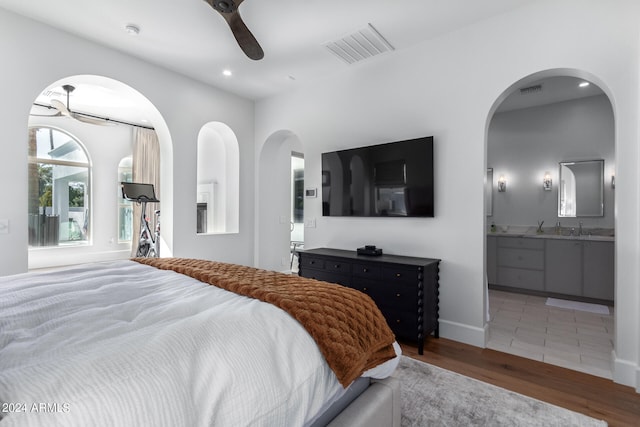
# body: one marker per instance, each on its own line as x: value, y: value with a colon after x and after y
x: 125, y: 344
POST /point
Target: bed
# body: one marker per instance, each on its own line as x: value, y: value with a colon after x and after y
x: 148, y: 343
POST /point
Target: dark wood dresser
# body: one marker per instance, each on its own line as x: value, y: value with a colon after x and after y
x: 404, y: 288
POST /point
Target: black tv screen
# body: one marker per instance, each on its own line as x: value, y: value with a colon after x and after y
x: 386, y: 180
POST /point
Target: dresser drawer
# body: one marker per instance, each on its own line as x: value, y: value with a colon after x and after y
x: 400, y: 275
x: 519, y: 278
x: 521, y: 258
x: 373, y: 272
x: 311, y: 262
x: 403, y: 324
x: 520, y: 242
x: 395, y: 295
x: 337, y: 266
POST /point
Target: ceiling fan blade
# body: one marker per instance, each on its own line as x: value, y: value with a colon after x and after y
x: 245, y: 38
x: 62, y: 109
x: 229, y: 11
x: 91, y: 120
x: 37, y: 108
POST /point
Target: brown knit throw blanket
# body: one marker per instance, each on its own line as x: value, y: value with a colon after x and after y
x: 348, y: 327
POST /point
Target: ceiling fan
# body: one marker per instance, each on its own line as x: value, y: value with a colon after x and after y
x: 229, y: 11
x: 64, y: 110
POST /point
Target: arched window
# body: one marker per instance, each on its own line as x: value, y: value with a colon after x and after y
x: 59, y: 189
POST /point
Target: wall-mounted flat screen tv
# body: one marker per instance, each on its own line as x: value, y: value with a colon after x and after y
x: 386, y: 180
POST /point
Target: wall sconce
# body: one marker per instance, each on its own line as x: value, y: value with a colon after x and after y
x: 502, y: 184
x: 613, y: 181
x: 547, y: 181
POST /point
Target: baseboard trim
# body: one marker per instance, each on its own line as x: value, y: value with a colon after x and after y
x: 463, y: 333
x: 626, y: 372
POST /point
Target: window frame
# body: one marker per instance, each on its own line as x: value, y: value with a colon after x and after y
x: 88, y: 196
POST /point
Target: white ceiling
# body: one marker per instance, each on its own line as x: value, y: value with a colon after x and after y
x: 189, y: 37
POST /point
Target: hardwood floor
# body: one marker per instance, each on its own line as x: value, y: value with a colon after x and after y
x: 597, y: 397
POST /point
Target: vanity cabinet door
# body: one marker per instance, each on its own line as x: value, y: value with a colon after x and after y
x: 598, y: 270
x: 563, y: 262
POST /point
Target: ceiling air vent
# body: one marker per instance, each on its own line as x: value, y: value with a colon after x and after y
x: 359, y: 45
x: 531, y: 89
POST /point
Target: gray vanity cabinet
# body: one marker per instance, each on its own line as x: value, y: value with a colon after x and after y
x: 598, y: 270
x: 563, y: 262
x: 579, y: 268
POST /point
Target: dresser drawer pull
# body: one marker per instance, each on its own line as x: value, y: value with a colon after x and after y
x: 397, y: 295
x: 398, y: 275
x: 397, y: 320
x: 364, y: 289
x: 336, y: 266
x: 312, y: 262
x: 365, y: 270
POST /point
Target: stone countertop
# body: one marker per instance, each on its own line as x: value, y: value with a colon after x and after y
x: 593, y: 234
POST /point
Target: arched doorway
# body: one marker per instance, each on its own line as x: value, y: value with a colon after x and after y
x: 275, y: 186
x: 108, y: 142
x: 542, y: 301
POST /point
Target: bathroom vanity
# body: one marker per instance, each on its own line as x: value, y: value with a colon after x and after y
x: 573, y: 267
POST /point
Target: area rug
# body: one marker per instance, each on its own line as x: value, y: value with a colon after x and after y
x: 433, y: 396
x: 577, y: 305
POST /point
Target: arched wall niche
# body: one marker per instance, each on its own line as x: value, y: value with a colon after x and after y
x: 218, y: 180
x: 273, y: 189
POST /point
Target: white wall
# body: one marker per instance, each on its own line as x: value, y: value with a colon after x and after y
x: 35, y: 56
x: 523, y: 144
x: 449, y: 87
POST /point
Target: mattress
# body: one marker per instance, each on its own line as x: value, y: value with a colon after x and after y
x: 120, y: 343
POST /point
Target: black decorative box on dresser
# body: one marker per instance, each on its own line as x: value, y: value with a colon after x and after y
x: 404, y: 288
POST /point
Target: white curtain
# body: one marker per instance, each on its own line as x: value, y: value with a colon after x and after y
x: 146, y: 170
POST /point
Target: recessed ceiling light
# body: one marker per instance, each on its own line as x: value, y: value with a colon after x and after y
x: 584, y: 84
x: 132, y: 29
x: 227, y: 73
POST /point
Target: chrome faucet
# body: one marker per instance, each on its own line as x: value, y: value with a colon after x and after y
x: 580, y: 228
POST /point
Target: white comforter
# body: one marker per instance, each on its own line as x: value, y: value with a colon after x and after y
x: 124, y: 344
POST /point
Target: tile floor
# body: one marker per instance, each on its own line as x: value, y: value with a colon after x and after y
x: 523, y: 325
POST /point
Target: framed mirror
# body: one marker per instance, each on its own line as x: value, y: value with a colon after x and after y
x: 581, y: 189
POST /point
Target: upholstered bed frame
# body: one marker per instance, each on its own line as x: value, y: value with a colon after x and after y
x: 377, y: 406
